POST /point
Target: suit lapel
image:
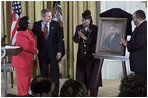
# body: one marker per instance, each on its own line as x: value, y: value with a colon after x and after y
x: 51, y: 28
x: 90, y: 30
x: 40, y: 26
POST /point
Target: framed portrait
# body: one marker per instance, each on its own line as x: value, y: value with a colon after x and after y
x: 110, y: 32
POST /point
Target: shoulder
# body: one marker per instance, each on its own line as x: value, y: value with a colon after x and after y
x: 94, y: 26
x: 79, y: 26
x: 142, y: 27
x: 21, y: 34
x: 55, y: 22
x: 37, y: 22
x: 144, y: 24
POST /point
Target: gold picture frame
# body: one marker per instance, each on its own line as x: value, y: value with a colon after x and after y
x: 110, y: 32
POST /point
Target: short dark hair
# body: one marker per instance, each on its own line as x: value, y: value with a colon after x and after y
x: 135, y: 83
x: 73, y: 88
x: 87, y: 15
x: 140, y: 14
x: 23, y: 24
x: 44, y: 11
x: 128, y: 92
x: 40, y: 84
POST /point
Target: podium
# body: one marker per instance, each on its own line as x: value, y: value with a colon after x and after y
x: 102, y: 57
x: 8, y: 51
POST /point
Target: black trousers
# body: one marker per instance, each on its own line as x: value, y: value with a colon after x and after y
x: 44, y: 61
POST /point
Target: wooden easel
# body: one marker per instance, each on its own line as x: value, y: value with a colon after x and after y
x: 102, y: 57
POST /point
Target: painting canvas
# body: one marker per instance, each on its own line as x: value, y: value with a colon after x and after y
x: 110, y: 32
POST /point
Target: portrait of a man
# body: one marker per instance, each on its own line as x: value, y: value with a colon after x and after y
x: 112, y: 37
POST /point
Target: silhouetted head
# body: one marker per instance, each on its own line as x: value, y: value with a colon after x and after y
x: 73, y: 88
x: 42, y: 86
x: 135, y: 84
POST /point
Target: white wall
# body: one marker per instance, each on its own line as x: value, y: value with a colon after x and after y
x: 113, y: 69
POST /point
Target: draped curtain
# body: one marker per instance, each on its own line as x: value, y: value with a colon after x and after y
x: 71, y: 13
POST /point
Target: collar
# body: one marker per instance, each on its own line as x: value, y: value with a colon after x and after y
x: 45, y: 22
x: 140, y: 23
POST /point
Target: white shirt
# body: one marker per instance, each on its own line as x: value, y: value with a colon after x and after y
x: 43, y: 24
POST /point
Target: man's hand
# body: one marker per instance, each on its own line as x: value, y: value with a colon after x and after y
x: 82, y: 35
x: 58, y: 55
x: 123, y: 42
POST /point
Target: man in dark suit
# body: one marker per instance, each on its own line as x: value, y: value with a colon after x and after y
x: 137, y: 46
x: 112, y: 42
x: 49, y: 44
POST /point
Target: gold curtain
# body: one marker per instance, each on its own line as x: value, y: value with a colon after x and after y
x: 71, y: 13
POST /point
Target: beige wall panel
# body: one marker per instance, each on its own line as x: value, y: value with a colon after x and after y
x: 23, y: 8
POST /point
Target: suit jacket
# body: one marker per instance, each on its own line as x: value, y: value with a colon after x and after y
x: 137, y: 46
x: 53, y: 44
x: 113, y: 44
x: 25, y: 40
x: 87, y: 65
x: 91, y: 41
x: 119, y: 13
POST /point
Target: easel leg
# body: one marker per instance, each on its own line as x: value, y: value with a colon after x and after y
x: 97, y: 78
x: 124, y: 69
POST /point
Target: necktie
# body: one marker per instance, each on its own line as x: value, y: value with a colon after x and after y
x: 45, y: 31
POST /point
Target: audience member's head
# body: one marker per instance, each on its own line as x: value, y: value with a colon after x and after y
x: 128, y: 92
x: 73, y: 88
x: 41, y: 86
x: 133, y: 85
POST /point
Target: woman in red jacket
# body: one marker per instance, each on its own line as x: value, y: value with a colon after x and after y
x: 23, y: 62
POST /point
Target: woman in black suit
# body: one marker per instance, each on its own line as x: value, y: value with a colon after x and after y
x: 87, y: 65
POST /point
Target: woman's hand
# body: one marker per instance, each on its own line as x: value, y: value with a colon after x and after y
x: 82, y: 35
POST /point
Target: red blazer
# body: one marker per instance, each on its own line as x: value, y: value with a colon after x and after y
x: 25, y: 40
